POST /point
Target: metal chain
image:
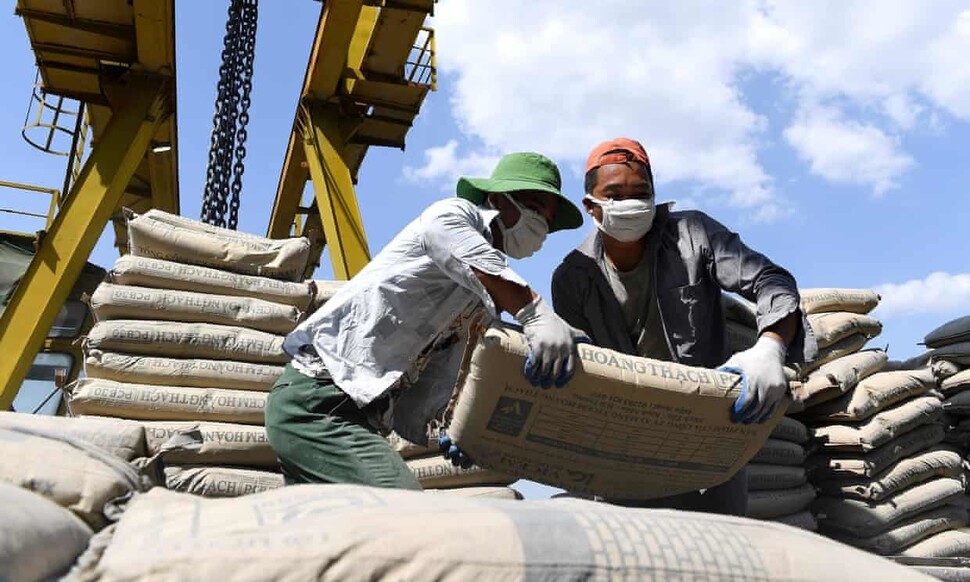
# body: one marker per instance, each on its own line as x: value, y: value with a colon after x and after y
x: 227, y: 143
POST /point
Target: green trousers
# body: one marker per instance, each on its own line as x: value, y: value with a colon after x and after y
x: 321, y: 436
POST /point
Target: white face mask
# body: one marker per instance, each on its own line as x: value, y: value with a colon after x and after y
x: 526, y: 236
x: 625, y: 220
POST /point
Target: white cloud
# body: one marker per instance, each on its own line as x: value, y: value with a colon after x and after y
x: 939, y: 293
x: 443, y: 164
x: 847, y: 152
x: 558, y: 78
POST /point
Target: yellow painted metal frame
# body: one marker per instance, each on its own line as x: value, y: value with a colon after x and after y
x: 333, y: 188
x: 62, y: 253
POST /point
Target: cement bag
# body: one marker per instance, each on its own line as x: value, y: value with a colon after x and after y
x: 187, y: 340
x: 951, y: 332
x: 839, y: 349
x: 840, y: 464
x: 881, y: 428
x: 438, y: 473
x: 111, y: 301
x: 83, y: 478
x: 38, y: 539
x: 323, y: 292
x: 769, y: 477
x: 159, y: 235
x: 956, y: 383
x: 122, y: 438
x: 779, y: 452
x: 145, y: 402
x: 194, y: 373
x: 209, y: 481
x: 873, y: 394
x: 739, y: 337
x: 943, y: 369
x: 486, y: 492
x: 838, y: 377
x: 904, y: 473
x: 222, y: 444
x: 914, y: 363
x: 409, y: 450
x: 828, y: 300
x: 802, y: 520
x: 774, y: 503
x: 789, y: 429
x: 910, y: 531
x: 862, y: 520
x: 958, y: 433
x: 347, y: 532
x: 739, y: 310
x: 669, y: 424
x: 829, y: 328
x: 958, y: 404
x: 958, y: 353
x: 954, y: 543
x: 146, y: 272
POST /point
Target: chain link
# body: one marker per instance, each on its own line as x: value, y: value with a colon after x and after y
x: 227, y: 149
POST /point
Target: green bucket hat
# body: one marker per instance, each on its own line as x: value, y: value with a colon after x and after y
x: 524, y: 171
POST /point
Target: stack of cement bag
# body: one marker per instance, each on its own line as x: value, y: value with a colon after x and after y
x: 778, y: 489
x: 437, y: 474
x: 61, y: 480
x: 188, y: 337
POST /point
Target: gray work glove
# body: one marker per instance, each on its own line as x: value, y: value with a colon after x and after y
x: 552, y: 345
x: 763, y: 382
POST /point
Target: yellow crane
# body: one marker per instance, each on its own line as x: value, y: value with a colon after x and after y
x: 371, y: 66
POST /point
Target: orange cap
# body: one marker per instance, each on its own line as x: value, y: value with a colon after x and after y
x: 617, y: 151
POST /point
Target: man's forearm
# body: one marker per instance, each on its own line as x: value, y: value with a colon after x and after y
x: 784, y: 330
x: 508, y: 296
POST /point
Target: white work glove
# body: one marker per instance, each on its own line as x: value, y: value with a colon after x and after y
x: 763, y: 382
x: 552, y: 345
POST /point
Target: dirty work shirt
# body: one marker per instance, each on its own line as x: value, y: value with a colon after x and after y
x: 377, y: 332
x: 634, y: 291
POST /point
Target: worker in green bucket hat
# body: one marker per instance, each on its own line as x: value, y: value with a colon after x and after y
x: 383, y: 354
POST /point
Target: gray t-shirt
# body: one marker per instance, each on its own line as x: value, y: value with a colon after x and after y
x: 634, y: 290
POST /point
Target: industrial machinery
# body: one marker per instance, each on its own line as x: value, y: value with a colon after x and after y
x: 372, y: 64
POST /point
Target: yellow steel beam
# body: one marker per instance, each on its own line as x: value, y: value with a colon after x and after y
x: 333, y: 189
x: 62, y: 253
x: 328, y: 58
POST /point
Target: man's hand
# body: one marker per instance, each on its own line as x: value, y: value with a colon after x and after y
x: 552, y: 344
x: 763, y: 380
x: 451, y: 451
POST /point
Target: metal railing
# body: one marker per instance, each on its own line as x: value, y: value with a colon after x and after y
x: 421, y: 66
x: 55, y: 201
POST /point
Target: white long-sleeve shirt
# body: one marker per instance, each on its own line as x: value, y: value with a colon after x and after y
x: 374, y: 330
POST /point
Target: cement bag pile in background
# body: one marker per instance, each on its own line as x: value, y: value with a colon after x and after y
x: 347, y: 532
x: 778, y: 489
x: 188, y: 337
x: 437, y: 474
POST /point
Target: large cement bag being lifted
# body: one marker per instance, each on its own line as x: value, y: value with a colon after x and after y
x: 346, y: 532
x: 92, y: 396
x: 187, y: 340
x: 222, y: 444
x: 38, y: 539
x: 826, y: 300
x: 623, y: 427
x: 160, y: 235
x: 194, y: 373
x: 89, y: 481
x: 158, y: 274
x: 111, y: 301
x: 124, y: 439
x: 209, y: 481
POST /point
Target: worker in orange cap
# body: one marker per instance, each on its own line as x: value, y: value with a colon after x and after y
x: 648, y: 281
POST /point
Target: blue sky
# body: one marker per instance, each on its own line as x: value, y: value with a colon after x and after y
x: 832, y: 135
